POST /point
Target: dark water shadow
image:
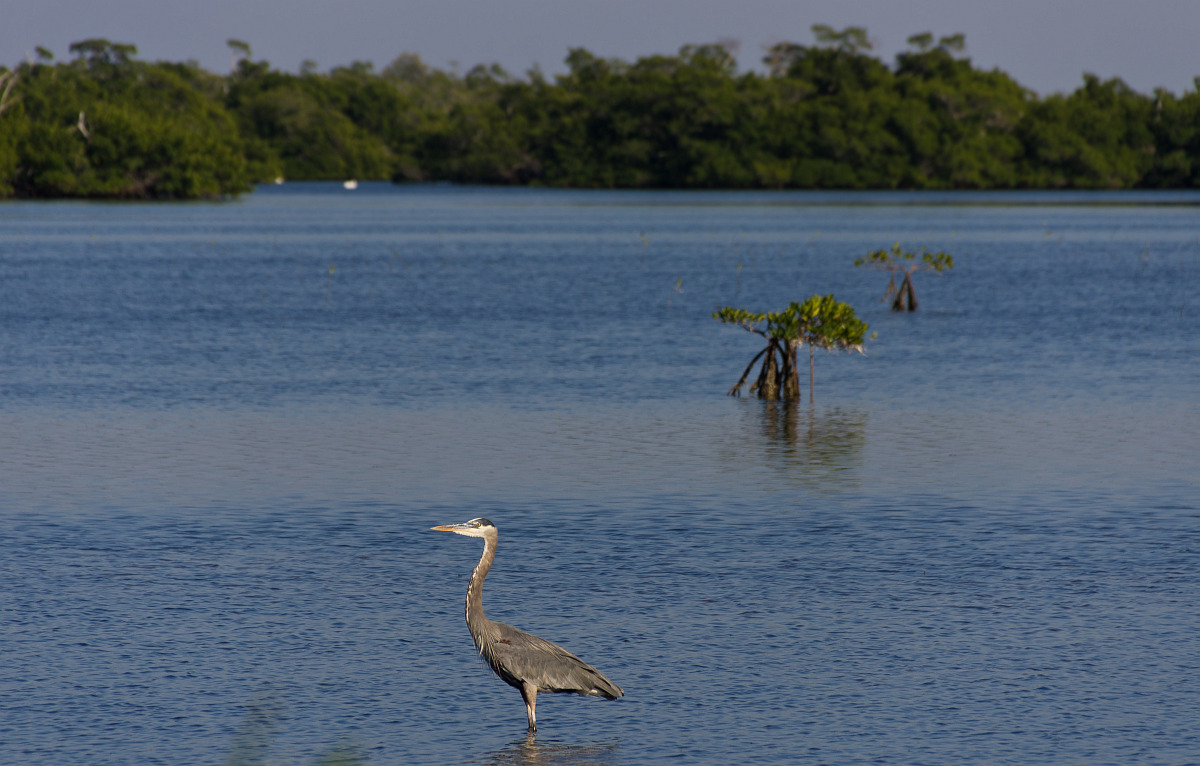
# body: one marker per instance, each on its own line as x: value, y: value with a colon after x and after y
x: 252, y: 743
x: 530, y: 752
x: 819, y: 449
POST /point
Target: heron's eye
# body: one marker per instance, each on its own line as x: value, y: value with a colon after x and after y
x: 475, y: 524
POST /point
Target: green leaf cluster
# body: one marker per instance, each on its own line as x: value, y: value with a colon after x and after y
x: 898, y: 259
x: 746, y: 319
x: 824, y: 322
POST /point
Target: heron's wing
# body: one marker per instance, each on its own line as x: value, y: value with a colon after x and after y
x: 547, y: 665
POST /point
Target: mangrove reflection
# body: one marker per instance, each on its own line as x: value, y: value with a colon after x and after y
x: 810, y: 445
x: 529, y: 752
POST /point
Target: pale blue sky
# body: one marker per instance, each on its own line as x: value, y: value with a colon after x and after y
x: 1046, y: 45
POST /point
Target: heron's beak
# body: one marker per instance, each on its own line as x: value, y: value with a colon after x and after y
x: 448, y: 527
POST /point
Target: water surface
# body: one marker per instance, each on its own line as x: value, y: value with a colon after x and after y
x: 227, y: 428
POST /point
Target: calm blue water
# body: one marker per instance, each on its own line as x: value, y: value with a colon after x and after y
x: 225, y: 430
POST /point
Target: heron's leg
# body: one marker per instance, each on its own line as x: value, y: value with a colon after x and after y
x: 529, y: 694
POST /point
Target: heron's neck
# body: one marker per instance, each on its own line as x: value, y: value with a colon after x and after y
x: 475, y: 617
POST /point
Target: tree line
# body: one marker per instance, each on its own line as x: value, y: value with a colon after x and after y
x: 829, y: 115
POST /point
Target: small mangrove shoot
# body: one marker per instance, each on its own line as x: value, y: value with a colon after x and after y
x: 898, y: 261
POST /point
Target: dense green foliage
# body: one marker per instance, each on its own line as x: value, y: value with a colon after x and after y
x: 828, y: 115
x: 819, y: 322
x: 108, y: 126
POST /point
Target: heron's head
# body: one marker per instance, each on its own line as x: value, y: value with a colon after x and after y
x: 472, y: 528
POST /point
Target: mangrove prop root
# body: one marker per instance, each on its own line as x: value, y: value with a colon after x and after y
x: 906, y: 297
x: 737, y: 388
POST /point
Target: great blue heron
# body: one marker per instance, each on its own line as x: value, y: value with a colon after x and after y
x: 522, y: 660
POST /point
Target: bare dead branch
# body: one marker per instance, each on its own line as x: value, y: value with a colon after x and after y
x: 8, y: 79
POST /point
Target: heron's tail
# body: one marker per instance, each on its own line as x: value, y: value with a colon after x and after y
x: 602, y: 687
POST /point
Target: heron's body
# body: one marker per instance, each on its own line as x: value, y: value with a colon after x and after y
x: 521, y: 659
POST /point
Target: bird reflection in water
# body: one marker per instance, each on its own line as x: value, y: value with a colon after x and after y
x: 528, y: 751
